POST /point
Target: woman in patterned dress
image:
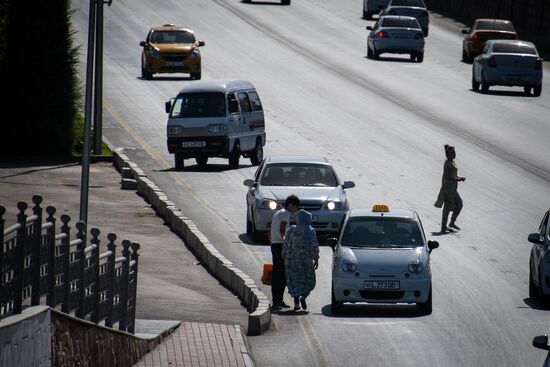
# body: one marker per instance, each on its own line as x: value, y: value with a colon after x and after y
x: 301, y: 256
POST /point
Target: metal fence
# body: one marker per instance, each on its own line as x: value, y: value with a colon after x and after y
x: 40, y: 264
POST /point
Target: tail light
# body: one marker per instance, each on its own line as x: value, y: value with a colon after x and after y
x: 383, y: 34
x: 538, y: 64
x: 492, y: 62
x: 475, y: 37
x: 418, y: 36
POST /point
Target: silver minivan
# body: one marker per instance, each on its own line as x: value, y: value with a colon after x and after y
x: 216, y: 118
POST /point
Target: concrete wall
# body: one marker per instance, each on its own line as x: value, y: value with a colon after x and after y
x: 25, y: 339
x: 530, y: 17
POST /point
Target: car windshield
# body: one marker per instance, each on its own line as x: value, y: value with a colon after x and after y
x: 381, y: 232
x: 495, y: 26
x: 418, y: 3
x: 399, y: 23
x: 172, y: 37
x: 513, y: 48
x: 298, y: 174
x: 199, y: 105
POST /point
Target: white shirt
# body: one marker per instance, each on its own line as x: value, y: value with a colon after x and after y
x: 279, y: 216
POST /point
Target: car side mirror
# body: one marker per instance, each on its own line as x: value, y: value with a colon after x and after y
x: 369, y: 28
x: 200, y: 44
x: 249, y: 182
x: 332, y: 243
x: 465, y: 31
x: 143, y: 43
x: 432, y: 245
x: 348, y: 184
x: 541, y: 342
x: 535, y: 238
x: 233, y: 106
x: 167, y: 106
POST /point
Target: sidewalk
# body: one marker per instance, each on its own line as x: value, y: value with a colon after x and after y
x: 172, y: 284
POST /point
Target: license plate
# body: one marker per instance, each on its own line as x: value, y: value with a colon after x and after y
x: 193, y: 144
x: 174, y: 63
x: 382, y: 284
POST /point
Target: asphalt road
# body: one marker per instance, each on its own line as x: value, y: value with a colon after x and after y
x: 383, y: 125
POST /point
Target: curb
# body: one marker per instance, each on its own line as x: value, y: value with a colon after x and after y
x: 256, y: 302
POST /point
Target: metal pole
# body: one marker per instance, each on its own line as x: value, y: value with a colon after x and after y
x: 85, y: 180
x: 98, y: 85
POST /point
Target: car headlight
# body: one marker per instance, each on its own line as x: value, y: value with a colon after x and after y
x: 270, y: 204
x: 153, y: 52
x: 349, y: 266
x: 174, y: 130
x: 334, y: 205
x: 217, y: 129
x: 416, y: 267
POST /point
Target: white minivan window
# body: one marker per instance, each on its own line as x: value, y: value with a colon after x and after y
x: 199, y: 105
x: 245, y: 102
x: 255, y: 100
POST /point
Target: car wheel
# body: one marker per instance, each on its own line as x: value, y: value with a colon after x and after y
x: 145, y: 74
x: 196, y: 76
x: 426, y: 33
x: 178, y: 161
x: 257, y: 154
x: 484, y: 85
x: 285, y: 2
x: 527, y: 90
x: 249, y: 227
x: 202, y: 160
x: 425, y: 308
x: 375, y: 54
x: 420, y: 57
x: 464, y: 55
x: 475, y: 84
x: 370, y: 54
x: 234, y: 156
x: 413, y: 56
x: 335, y: 306
x: 533, y: 289
x: 537, y: 90
x: 367, y: 15
x: 543, y: 298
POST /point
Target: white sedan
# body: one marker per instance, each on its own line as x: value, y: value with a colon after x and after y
x: 509, y: 63
x: 382, y: 256
x: 396, y: 34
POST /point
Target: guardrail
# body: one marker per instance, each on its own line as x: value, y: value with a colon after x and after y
x: 36, y: 262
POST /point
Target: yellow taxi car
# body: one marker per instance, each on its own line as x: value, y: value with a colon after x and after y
x: 171, y: 49
x: 483, y: 30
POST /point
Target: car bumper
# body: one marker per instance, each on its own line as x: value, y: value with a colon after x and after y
x: 399, y: 46
x: 353, y: 290
x: 213, y: 146
x: 494, y: 77
x: 160, y: 65
x: 324, y: 222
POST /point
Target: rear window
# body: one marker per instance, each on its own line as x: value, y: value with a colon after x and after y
x: 496, y: 26
x: 199, y: 105
x: 409, y: 12
x: 400, y: 23
x: 417, y: 3
x: 379, y: 232
x: 171, y: 37
x: 513, y: 48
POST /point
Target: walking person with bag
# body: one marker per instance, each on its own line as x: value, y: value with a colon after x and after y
x: 279, y: 224
x: 301, y: 257
x: 448, y: 197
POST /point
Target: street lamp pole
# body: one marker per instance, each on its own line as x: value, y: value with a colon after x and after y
x: 98, y: 76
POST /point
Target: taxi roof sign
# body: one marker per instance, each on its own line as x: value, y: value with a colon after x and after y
x: 377, y: 208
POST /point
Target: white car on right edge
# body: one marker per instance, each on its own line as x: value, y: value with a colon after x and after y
x: 508, y: 63
x: 539, y: 262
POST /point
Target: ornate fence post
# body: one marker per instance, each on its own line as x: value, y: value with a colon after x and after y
x: 36, y: 261
x: 50, y: 298
x: 20, y: 257
x: 81, y: 254
x: 2, y: 290
x: 66, y: 247
x: 94, y: 317
x: 123, y: 322
x: 111, y: 279
x: 134, y: 256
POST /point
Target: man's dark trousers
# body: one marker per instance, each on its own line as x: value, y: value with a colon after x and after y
x: 278, y: 275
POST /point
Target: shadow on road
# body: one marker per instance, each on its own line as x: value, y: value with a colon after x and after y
x: 263, y: 3
x: 505, y: 93
x: 535, y: 305
x: 207, y: 168
x: 165, y: 78
x: 392, y: 59
x: 373, y: 311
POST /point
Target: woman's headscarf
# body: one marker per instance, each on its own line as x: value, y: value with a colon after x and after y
x: 303, y: 222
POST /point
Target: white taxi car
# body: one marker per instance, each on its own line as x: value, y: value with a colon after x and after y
x: 382, y: 256
x: 539, y: 262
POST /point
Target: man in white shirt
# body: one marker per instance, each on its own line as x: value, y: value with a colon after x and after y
x: 279, y: 225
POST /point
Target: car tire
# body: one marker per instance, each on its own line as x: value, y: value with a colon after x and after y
x: 249, y: 225
x: 527, y: 90
x: 257, y: 155
x: 367, y: 15
x: 196, y: 76
x: 375, y: 54
x: 235, y: 155
x: 464, y: 55
x: 178, y: 161
x: 370, y: 54
x: 336, y: 306
x: 544, y: 299
x: 146, y: 74
x: 425, y: 308
x: 285, y: 2
x: 484, y: 85
x: 420, y: 57
x: 475, y: 83
x: 533, y: 289
x: 537, y: 90
x: 426, y: 33
x: 202, y: 160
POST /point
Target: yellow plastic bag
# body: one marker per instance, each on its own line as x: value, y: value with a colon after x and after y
x: 266, y: 275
